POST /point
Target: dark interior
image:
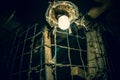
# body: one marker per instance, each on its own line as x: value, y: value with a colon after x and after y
x: 23, y: 13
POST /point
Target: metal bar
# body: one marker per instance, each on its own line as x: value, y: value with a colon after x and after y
x: 48, y: 55
x: 31, y: 53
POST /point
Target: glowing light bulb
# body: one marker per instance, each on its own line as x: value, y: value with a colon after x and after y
x: 63, y: 22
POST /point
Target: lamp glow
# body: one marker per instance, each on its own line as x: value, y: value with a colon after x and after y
x: 63, y: 22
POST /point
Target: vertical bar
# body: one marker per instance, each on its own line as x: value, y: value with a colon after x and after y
x: 69, y: 57
x: 24, y: 42
x: 82, y: 73
x: 55, y: 56
x: 41, y: 58
x: 48, y: 55
x: 31, y: 53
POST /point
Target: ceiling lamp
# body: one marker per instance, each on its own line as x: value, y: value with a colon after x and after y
x: 61, y: 14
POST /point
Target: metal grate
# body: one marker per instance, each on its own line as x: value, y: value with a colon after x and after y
x: 72, y: 54
x: 26, y: 60
x: 69, y: 54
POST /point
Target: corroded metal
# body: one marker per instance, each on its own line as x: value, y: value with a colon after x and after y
x: 48, y: 55
x: 95, y: 55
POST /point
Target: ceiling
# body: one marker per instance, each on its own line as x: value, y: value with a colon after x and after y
x: 17, y: 12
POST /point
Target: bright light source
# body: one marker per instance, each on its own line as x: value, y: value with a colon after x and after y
x: 63, y: 22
